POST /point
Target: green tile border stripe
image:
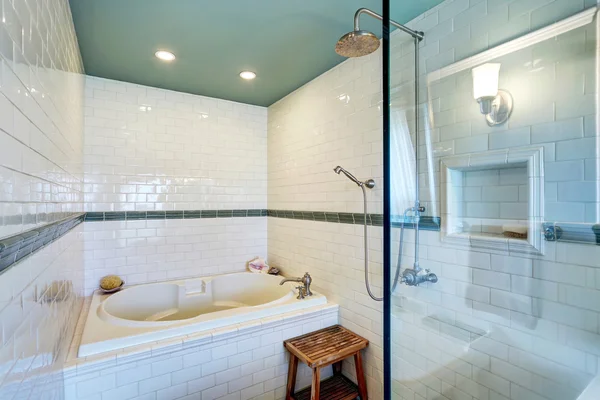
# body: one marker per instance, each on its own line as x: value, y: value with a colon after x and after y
x: 184, y: 214
x: 427, y: 223
x: 14, y: 248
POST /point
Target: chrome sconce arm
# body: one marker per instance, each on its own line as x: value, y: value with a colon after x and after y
x: 497, y: 110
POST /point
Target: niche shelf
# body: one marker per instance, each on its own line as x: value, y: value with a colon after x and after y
x: 484, y: 196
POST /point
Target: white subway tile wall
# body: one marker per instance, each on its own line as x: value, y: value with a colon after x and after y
x: 494, y: 326
x: 492, y: 198
x: 41, y: 116
x: 333, y: 255
x: 41, y: 181
x: 553, y: 84
x: 333, y: 120
x: 154, y: 149
x: 499, y: 327
x: 158, y: 250
x: 39, y: 307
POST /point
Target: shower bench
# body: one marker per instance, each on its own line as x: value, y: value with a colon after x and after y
x: 319, y: 349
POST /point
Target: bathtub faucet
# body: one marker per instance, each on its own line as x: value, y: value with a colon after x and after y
x: 306, y: 280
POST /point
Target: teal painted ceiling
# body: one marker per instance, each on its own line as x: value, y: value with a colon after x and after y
x: 286, y: 42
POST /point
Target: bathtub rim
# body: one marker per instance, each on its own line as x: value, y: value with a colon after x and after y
x: 158, y: 334
x: 110, y: 318
x: 76, y: 366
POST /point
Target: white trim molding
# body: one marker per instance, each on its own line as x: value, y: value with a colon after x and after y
x: 451, y: 185
x: 568, y: 24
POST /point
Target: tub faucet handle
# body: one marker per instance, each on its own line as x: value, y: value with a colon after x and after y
x: 301, y: 292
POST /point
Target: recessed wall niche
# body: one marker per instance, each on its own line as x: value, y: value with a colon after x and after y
x: 494, y: 200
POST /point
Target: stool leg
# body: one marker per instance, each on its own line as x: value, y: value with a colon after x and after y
x: 337, y: 368
x: 291, y: 382
x: 360, y: 376
x: 315, y: 391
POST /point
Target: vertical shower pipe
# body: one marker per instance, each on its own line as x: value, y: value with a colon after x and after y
x: 417, y: 195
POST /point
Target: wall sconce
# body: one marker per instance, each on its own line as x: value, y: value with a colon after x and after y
x: 495, y: 104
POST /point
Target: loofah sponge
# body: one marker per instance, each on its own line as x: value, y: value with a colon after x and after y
x: 110, y: 282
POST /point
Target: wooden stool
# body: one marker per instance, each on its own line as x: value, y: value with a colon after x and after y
x: 320, y: 349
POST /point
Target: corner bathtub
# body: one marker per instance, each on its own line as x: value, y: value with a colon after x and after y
x: 151, y: 312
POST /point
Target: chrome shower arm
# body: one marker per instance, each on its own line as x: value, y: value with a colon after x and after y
x: 415, y: 34
x: 370, y: 183
x: 351, y: 177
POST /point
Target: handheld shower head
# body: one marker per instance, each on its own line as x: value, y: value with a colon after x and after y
x: 369, y: 183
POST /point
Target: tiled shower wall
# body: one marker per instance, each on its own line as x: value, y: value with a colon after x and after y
x: 500, y: 326
x: 528, y: 312
x: 492, y: 198
x: 149, y: 149
x: 333, y: 120
x: 41, y: 181
x: 41, y: 102
x: 554, y: 86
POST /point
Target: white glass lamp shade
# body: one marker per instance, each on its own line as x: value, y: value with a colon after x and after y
x: 485, y: 80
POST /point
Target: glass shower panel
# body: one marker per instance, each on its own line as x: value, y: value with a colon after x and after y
x: 511, y: 212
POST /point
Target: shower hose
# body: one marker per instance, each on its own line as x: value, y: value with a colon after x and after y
x: 366, y: 239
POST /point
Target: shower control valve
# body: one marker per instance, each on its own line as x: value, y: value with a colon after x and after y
x: 412, y: 277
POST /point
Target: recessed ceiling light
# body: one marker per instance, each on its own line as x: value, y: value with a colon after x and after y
x: 165, y: 55
x: 248, y: 75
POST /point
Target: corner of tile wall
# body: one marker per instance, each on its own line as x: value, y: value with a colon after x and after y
x: 41, y: 182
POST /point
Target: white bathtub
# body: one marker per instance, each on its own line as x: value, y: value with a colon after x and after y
x: 147, y: 313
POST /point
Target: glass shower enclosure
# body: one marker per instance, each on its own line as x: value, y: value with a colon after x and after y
x: 502, y: 154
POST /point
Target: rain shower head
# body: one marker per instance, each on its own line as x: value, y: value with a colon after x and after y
x: 357, y: 44
x: 360, y: 43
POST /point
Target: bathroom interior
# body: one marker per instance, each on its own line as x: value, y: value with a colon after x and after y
x: 424, y: 174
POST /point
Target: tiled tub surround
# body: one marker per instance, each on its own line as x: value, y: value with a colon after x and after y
x: 41, y: 116
x: 143, y: 251
x: 152, y: 149
x: 147, y: 313
x: 245, y: 361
